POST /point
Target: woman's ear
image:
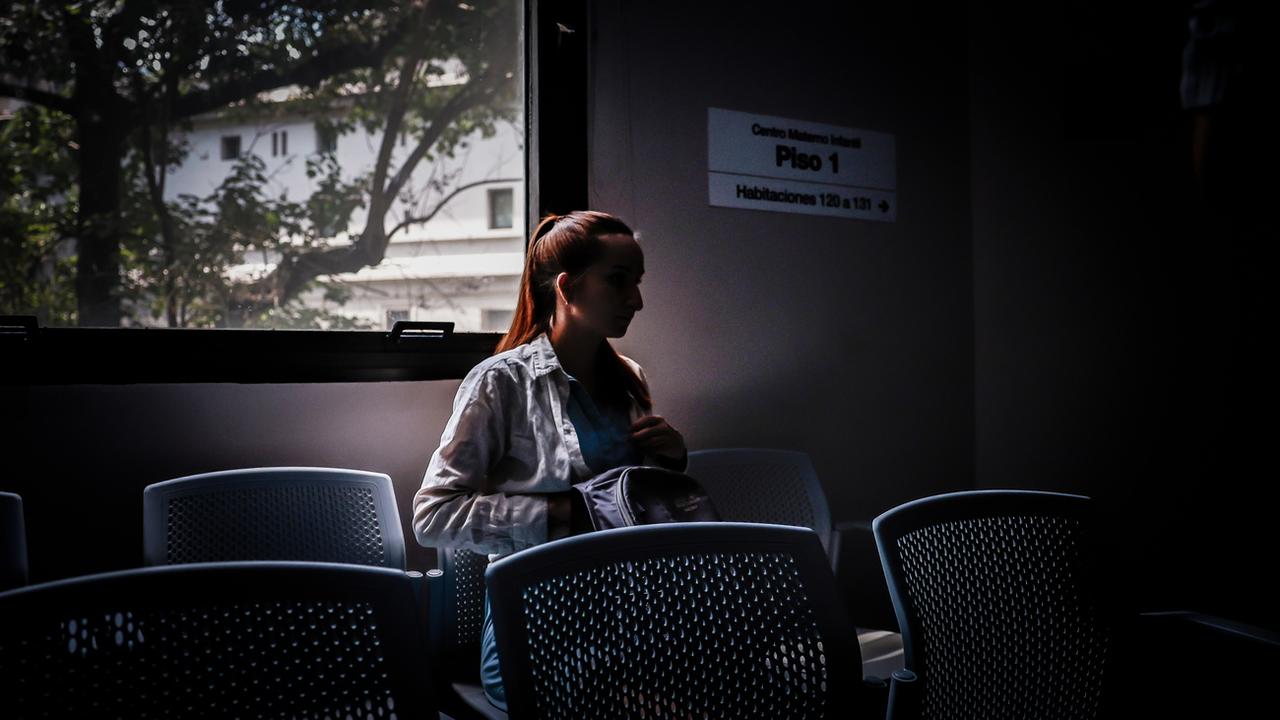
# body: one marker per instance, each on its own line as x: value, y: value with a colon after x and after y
x: 563, y: 287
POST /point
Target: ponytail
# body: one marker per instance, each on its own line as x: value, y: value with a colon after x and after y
x: 568, y: 243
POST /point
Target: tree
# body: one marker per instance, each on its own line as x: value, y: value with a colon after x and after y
x: 36, y: 172
x: 129, y: 76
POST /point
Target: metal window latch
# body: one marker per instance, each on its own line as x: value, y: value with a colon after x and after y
x: 18, y: 328
x: 414, y: 330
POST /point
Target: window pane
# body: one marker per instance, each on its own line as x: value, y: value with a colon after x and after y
x: 497, y: 320
x: 230, y: 147
x: 326, y: 138
x: 190, y: 209
x: 500, y: 207
x: 395, y: 316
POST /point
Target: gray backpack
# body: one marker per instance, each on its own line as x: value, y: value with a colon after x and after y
x: 639, y: 495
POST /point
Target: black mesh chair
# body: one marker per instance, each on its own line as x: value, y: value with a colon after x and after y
x: 457, y: 619
x: 761, y: 485
x: 218, y: 640
x: 13, y: 542
x: 702, y: 620
x: 1002, y: 598
x: 764, y: 485
x: 279, y: 513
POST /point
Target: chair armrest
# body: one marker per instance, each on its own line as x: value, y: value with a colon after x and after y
x: 1261, y: 639
x: 433, y: 608
x: 906, y: 695
x: 1180, y: 662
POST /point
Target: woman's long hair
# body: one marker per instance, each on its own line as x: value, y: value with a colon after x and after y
x: 569, y: 243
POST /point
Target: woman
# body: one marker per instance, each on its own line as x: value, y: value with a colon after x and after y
x: 555, y: 405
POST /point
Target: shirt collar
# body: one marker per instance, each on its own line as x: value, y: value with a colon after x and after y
x: 544, y: 356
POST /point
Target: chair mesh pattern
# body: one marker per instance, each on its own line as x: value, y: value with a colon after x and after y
x: 758, y: 492
x: 253, y: 660
x: 688, y: 636
x: 469, y: 591
x: 293, y: 522
x: 1007, y: 619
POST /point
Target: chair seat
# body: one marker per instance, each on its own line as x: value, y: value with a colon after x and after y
x: 881, y: 653
x: 474, y: 697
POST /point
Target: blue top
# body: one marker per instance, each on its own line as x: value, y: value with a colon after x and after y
x: 604, y: 435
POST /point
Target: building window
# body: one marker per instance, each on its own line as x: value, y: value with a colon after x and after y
x: 230, y: 147
x: 496, y: 320
x: 326, y: 139
x: 394, y: 316
x: 500, y: 208
x: 279, y: 143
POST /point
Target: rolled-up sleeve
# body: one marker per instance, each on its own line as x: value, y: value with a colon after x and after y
x: 457, y: 504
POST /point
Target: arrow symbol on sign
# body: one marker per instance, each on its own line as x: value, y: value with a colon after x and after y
x: 884, y: 206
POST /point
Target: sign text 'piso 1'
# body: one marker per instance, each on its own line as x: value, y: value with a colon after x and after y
x: 762, y: 162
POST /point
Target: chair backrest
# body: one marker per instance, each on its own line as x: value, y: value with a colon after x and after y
x: 458, y: 616
x: 13, y: 542
x: 682, y: 620
x: 763, y: 486
x: 249, y: 640
x: 277, y: 513
x: 1002, y: 603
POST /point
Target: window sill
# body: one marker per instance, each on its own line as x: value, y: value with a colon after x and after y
x: 78, y: 356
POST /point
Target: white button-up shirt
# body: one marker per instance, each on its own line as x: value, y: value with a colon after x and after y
x: 508, y: 443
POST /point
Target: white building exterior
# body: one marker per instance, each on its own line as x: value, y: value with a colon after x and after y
x: 463, y: 266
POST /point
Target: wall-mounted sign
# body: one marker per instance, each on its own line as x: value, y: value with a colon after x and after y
x: 762, y: 162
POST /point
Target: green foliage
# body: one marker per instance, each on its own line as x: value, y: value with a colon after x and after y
x: 295, y: 315
x: 330, y: 207
x: 163, y: 62
x: 37, y: 213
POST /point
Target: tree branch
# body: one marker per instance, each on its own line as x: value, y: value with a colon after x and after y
x: 308, y: 73
x: 456, y: 105
x: 295, y: 271
x: 369, y: 249
x: 39, y: 97
x: 440, y: 205
x: 395, y: 118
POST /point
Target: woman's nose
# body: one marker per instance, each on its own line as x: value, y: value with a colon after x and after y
x: 635, y: 302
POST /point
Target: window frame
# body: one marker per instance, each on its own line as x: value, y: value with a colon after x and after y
x: 224, y: 143
x: 491, y: 206
x: 555, y: 128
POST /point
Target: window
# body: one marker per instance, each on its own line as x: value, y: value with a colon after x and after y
x: 279, y: 143
x: 497, y: 320
x: 395, y: 316
x: 230, y: 147
x: 500, y: 208
x: 206, y: 251
x: 326, y: 139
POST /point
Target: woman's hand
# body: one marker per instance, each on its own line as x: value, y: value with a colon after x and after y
x: 655, y: 436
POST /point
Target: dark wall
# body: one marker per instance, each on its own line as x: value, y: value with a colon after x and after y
x: 1116, y: 344
x: 848, y: 339
x: 81, y: 455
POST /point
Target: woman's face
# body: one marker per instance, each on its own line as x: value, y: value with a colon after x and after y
x: 607, y: 295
